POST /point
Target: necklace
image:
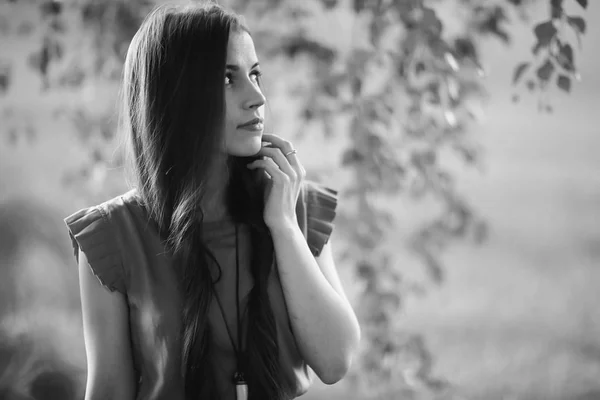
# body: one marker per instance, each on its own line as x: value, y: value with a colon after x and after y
x: 239, y: 379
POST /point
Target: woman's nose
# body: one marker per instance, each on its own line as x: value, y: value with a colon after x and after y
x: 255, y: 99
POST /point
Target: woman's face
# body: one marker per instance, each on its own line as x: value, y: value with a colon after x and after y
x: 244, y: 101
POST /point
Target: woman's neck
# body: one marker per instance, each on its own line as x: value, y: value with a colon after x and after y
x: 214, y: 207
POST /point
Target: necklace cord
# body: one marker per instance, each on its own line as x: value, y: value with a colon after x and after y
x: 237, y: 298
x: 237, y: 349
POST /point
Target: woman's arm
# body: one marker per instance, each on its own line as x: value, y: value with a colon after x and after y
x: 110, y: 372
x: 324, y: 324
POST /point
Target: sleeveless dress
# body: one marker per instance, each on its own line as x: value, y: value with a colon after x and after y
x: 126, y: 254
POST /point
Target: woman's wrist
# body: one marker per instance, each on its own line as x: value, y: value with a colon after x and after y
x: 282, y: 226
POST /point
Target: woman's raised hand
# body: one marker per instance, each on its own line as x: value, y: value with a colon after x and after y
x: 287, y: 175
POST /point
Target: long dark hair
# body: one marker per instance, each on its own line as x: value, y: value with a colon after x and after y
x: 173, y: 117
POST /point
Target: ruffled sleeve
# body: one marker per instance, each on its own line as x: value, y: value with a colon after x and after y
x: 90, y: 231
x: 316, y: 210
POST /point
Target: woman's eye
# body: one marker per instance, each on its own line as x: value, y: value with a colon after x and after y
x: 257, y: 75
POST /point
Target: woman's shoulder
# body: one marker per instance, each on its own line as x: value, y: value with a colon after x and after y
x: 316, y: 211
x: 320, y: 195
x: 124, y: 202
x: 106, y: 207
x: 97, y: 231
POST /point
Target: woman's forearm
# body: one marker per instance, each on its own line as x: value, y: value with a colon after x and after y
x: 323, y: 322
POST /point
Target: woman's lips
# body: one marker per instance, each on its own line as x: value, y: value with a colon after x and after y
x: 253, y: 127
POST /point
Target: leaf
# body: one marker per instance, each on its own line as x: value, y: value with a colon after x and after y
x: 464, y: 47
x: 519, y: 71
x: 431, y: 22
x: 5, y: 75
x: 502, y: 34
x: 359, y: 5
x: 578, y: 35
x: 545, y: 32
x: 57, y: 25
x: 583, y: 3
x: 25, y: 28
x: 329, y: 4
x: 567, y: 51
x: 536, y: 48
x: 556, y: 9
x: 72, y: 77
x: 564, y: 82
x: 51, y: 7
x: 565, y: 57
x: 376, y: 29
x: 423, y: 158
x: 351, y: 156
x: 492, y: 22
x: 298, y: 45
x: 577, y: 23
x: 545, y: 71
x: 356, y: 84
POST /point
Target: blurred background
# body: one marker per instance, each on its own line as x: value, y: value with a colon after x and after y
x: 463, y: 137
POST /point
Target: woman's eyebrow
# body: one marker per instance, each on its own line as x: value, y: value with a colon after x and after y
x: 234, y: 67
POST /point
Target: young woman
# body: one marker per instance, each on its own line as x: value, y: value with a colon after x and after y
x: 213, y: 277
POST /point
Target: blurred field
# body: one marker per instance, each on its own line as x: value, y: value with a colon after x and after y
x: 517, y: 318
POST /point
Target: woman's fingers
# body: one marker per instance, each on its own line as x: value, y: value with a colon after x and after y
x: 278, y: 141
x: 285, y: 147
x: 272, y: 169
x: 279, y: 159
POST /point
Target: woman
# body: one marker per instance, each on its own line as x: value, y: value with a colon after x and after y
x: 220, y: 278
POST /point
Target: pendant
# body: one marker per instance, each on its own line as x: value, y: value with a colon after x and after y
x: 241, y: 387
x: 241, y: 391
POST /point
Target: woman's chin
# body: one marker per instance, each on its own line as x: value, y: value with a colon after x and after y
x: 248, y: 149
